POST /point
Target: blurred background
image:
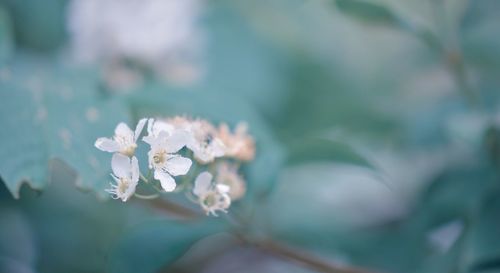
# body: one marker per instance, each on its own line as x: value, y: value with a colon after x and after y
x: 377, y: 125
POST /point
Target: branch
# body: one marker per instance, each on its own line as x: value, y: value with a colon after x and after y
x: 307, y: 260
x: 173, y: 208
x: 456, y: 66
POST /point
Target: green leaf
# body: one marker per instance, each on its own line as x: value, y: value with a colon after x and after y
x: 367, y: 11
x: 315, y: 205
x: 62, y: 214
x: 54, y: 111
x: 373, y: 13
x: 22, y: 147
x: 454, y: 196
x: 483, y: 255
x: 324, y: 150
x: 17, y: 240
x: 478, y: 39
x: 38, y: 25
x: 346, y: 211
x: 154, y: 245
x: 6, y: 35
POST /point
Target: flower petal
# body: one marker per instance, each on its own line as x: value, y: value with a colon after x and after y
x: 135, y: 170
x: 150, y: 126
x: 138, y: 128
x: 202, y: 183
x: 176, y: 141
x: 178, y: 165
x: 223, y: 188
x: 241, y: 128
x: 167, y: 181
x: 122, y: 129
x: 120, y: 165
x: 161, y: 126
x: 149, y: 139
x: 107, y: 145
x: 129, y: 192
x: 218, y: 148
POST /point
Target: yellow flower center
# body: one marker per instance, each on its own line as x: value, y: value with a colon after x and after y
x: 210, y: 200
x: 123, y: 185
x: 129, y: 150
x: 159, y: 157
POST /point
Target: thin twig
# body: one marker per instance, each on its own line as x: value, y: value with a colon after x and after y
x: 307, y: 259
x: 456, y: 66
x: 452, y: 53
x: 173, y: 208
x: 147, y: 197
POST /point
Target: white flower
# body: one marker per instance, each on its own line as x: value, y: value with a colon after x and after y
x: 126, y: 176
x: 203, y: 138
x: 155, y: 127
x: 211, y: 197
x: 163, y: 34
x: 165, y: 143
x: 124, y: 140
x: 204, y: 143
x: 227, y: 174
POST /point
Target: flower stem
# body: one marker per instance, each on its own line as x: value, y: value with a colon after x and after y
x: 147, y: 197
x: 147, y: 181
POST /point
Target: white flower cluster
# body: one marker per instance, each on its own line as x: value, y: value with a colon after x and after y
x: 163, y: 35
x: 217, y: 152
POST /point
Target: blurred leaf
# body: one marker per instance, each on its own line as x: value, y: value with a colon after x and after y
x: 324, y: 150
x: 315, y: 205
x: 59, y: 114
x: 343, y: 212
x: 483, y: 254
x: 154, y: 245
x: 243, y: 259
x: 17, y: 240
x: 6, y: 35
x: 373, y: 13
x: 38, y: 24
x: 457, y: 192
x: 241, y: 63
x: 321, y: 100
x: 68, y: 225
x: 13, y: 266
x: 21, y: 131
x: 479, y: 43
x: 308, y: 210
x: 452, y: 197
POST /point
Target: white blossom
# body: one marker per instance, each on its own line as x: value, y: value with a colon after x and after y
x: 211, y: 197
x: 155, y: 127
x: 203, y: 141
x: 126, y: 176
x: 165, y: 142
x: 162, y: 34
x: 166, y: 139
x: 124, y: 141
x: 203, y: 138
